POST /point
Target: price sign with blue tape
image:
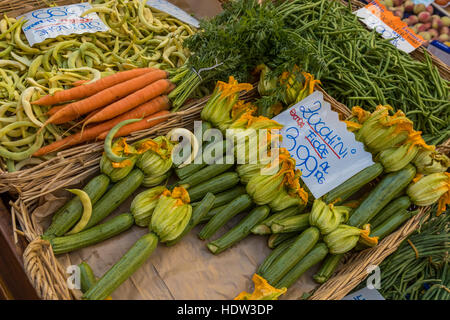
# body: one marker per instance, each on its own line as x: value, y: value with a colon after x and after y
x: 324, y: 150
x: 59, y: 21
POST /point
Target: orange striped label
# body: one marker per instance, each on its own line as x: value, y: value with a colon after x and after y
x: 376, y: 16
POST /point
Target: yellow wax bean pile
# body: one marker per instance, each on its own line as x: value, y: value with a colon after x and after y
x: 138, y: 37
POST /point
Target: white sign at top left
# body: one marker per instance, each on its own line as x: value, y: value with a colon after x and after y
x: 60, y: 21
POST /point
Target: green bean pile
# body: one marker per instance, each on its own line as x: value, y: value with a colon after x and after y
x: 425, y: 275
x: 137, y: 38
x: 359, y: 68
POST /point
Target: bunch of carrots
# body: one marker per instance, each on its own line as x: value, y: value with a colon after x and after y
x: 138, y: 93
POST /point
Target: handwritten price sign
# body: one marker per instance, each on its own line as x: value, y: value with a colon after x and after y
x: 376, y: 16
x: 57, y: 21
x: 324, y: 150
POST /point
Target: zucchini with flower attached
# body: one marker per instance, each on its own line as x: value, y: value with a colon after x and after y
x: 430, y: 161
x: 155, y: 159
x: 426, y: 190
x: 380, y: 131
x: 396, y: 158
x: 198, y: 214
x: 119, y: 170
x: 344, y: 238
x: 268, y: 187
x: 240, y: 231
x: 218, y: 109
x: 327, y: 217
x: 144, y: 204
x: 171, y: 214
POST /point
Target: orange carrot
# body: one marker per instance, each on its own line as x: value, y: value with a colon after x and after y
x: 140, y: 125
x: 55, y: 109
x: 145, y: 94
x: 156, y: 105
x: 79, y: 83
x: 107, y: 96
x: 80, y: 92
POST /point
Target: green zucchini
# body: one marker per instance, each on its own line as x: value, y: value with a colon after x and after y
x: 381, y: 195
x: 328, y: 267
x: 93, y: 235
x: 192, y: 168
x: 236, y: 206
x: 352, y: 185
x: 392, y: 223
x: 124, y: 268
x: 240, y: 231
x: 274, y: 255
x: 390, y: 209
x: 198, y: 213
x: 212, y: 213
x: 225, y: 197
x: 286, y: 261
x: 317, y: 254
x: 204, y: 174
x: 217, y: 184
x: 189, y: 170
x: 275, y: 239
x: 290, y: 224
x: 115, y: 197
x: 264, y: 226
x: 87, y: 277
x: 66, y: 217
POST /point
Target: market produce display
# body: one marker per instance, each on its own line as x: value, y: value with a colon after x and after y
x: 106, y: 86
x: 52, y: 84
x: 274, y: 203
x: 324, y: 38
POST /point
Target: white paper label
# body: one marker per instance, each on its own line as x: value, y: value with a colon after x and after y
x: 376, y: 16
x: 324, y: 150
x: 60, y: 21
x: 365, y: 294
x: 174, y: 11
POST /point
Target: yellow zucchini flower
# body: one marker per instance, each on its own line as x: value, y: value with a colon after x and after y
x: 263, y: 291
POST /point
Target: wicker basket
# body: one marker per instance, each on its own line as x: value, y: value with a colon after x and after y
x: 74, y: 165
